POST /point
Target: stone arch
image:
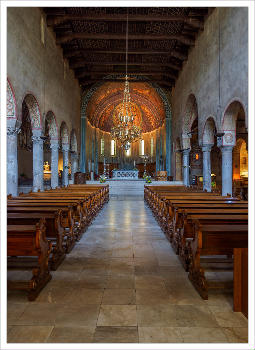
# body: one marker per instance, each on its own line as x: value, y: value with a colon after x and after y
x: 73, y: 142
x: 52, y: 124
x: 34, y: 111
x: 209, y: 131
x: 11, y: 105
x: 64, y: 134
x: 234, y: 112
x: 190, y: 114
x: 238, y: 166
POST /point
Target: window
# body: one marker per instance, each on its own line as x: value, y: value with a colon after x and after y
x: 152, y: 144
x: 142, y: 148
x: 102, y: 147
x: 128, y: 152
x: 113, y: 147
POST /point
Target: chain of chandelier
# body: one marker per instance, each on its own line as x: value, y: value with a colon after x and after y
x: 126, y: 132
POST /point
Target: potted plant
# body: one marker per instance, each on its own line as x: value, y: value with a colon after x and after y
x: 102, y: 179
x: 148, y: 179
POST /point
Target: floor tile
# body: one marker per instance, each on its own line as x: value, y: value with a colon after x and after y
x: 231, y: 319
x: 203, y: 335
x: 116, y: 335
x: 29, y: 334
x: 121, y: 281
x: 159, y: 335
x: 152, y: 296
x: 119, y: 296
x: 236, y: 334
x: 77, y: 316
x: 71, y: 334
x: 117, y: 315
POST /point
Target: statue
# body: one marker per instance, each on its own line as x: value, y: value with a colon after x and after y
x: 46, y: 167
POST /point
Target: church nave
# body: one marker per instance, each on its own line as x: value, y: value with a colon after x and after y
x: 123, y: 283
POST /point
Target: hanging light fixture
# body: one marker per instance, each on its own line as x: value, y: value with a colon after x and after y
x: 126, y: 131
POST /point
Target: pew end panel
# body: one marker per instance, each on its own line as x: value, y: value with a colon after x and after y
x: 30, y: 241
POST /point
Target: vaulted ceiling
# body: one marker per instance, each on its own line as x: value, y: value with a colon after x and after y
x: 94, y: 41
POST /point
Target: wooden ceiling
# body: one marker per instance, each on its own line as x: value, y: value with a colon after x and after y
x: 94, y: 41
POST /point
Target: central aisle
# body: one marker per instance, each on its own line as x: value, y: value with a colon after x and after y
x: 123, y: 283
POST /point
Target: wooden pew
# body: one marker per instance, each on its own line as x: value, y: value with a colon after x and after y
x: 213, y: 240
x: 93, y: 201
x: 179, y: 215
x: 29, y: 241
x: 185, y: 232
x: 67, y: 220
x: 78, y: 206
x: 241, y: 280
x: 54, y: 231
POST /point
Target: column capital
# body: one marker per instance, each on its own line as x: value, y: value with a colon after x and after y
x: 65, y: 147
x: 54, y: 144
x: 226, y: 148
x: 207, y: 148
x: 12, y: 130
x: 37, y: 139
x: 186, y: 151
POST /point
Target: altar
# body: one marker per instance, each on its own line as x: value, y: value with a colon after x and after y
x: 125, y: 174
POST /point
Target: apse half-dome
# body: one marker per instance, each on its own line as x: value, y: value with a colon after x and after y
x: 105, y: 103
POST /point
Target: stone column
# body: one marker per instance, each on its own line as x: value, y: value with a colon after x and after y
x: 37, y: 161
x: 157, y: 152
x: 54, y: 163
x: 74, y: 165
x: 83, y: 144
x: 207, y: 168
x: 185, y: 165
x: 65, y: 149
x: 161, y: 166
x: 168, y: 146
x: 12, y: 159
x: 227, y: 170
x: 96, y: 152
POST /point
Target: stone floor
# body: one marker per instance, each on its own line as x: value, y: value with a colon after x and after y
x: 122, y: 283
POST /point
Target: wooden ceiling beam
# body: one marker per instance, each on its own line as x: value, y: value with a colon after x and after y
x: 84, y: 63
x: 55, y: 20
x: 169, y: 75
x: 62, y: 39
x: 93, y: 81
x: 77, y: 52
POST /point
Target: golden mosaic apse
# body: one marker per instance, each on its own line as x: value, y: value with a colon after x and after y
x: 105, y: 104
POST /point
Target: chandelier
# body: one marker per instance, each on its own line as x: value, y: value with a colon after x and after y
x: 126, y: 131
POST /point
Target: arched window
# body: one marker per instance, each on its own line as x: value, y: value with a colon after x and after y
x: 128, y: 152
x: 102, y: 147
x: 152, y: 145
x: 113, y: 147
x: 141, y: 148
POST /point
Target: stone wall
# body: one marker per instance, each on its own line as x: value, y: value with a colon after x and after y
x: 38, y: 68
x: 200, y: 74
